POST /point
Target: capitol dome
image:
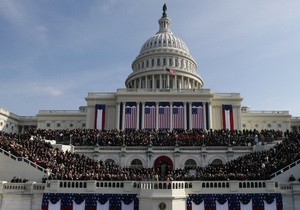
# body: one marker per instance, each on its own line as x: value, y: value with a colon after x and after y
x: 159, y: 54
x: 162, y: 39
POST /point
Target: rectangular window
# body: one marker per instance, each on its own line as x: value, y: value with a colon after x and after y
x: 58, y: 125
x: 279, y: 125
x: 244, y: 125
x: 83, y: 125
x: 269, y: 125
x: 48, y: 125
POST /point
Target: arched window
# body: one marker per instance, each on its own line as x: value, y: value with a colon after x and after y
x: 190, y: 164
x: 147, y: 63
x: 158, y: 62
x: 217, y: 162
x: 136, y: 163
x: 109, y: 161
x: 157, y: 83
x: 152, y: 62
x: 164, y: 62
x: 170, y: 62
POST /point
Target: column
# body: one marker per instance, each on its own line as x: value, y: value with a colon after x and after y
x: 143, y: 115
x: 168, y: 81
x: 123, y: 117
x: 171, y: 115
x: 160, y: 81
x: 204, y: 115
x: 153, y: 82
x: 190, y: 112
x: 137, y: 115
x: 185, y: 115
x: 146, y: 82
x: 210, y: 115
x: 118, y: 116
x: 140, y: 82
x: 156, y: 104
x: 182, y: 83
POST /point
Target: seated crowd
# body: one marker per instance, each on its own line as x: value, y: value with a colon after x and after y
x: 71, y: 166
x: 91, y: 137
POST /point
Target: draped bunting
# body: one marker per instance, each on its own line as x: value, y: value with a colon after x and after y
x: 247, y: 206
x: 103, y: 206
x: 79, y: 206
x: 227, y: 115
x: 69, y: 201
x: 100, y: 116
x: 235, y: 201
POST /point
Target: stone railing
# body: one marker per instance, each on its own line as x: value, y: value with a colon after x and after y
x: 189, y: 186
x: 25, y: 160
x: 134, y: 187
x: 162, y: 90
x: 162, y: 148
x: 28, y: 187
x: 297, y: 162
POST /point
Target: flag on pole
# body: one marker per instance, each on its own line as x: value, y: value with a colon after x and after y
x: 171, y: 71
x: 100, y: 116
x: 227, y: 113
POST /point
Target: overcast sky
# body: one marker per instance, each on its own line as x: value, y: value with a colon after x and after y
x: 54, y: 52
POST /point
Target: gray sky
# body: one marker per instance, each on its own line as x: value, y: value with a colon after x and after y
x: 54, y: 52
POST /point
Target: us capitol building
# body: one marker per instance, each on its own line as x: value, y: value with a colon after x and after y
x: 164, y: 91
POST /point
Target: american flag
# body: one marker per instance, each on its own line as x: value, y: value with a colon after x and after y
x: 164, y: 117
x: 171, y: 71
x: 150, y: 117
x: 197, y: 117
x: 130, y: 117
x: 178, y: 117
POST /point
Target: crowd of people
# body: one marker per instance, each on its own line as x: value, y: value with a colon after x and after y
x: 72, y: 166
x: 92, y: 137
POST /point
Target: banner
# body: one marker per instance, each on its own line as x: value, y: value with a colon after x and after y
x: 227, y: 113
x: 100, y: 116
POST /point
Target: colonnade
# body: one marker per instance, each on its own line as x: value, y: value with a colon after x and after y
x: 164, y: 81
